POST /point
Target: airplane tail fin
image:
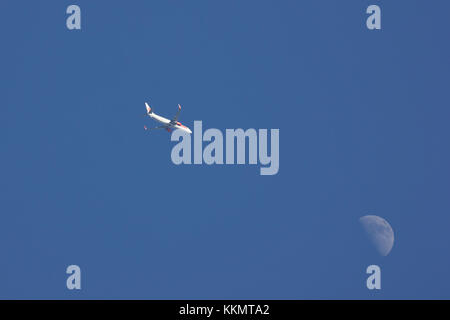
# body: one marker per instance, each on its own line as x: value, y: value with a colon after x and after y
x: 149, y: 109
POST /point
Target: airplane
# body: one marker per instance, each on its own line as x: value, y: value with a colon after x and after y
x: 169, y: 125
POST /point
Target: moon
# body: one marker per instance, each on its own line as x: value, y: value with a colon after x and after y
x: 380, y: 233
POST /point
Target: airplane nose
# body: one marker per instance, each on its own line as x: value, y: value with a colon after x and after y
x: 189, y: 130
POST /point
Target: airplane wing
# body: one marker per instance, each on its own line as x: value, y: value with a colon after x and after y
x: 160, y: 127
x: 178, y: 113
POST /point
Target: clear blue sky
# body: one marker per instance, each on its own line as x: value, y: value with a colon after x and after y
x: 363, y: 118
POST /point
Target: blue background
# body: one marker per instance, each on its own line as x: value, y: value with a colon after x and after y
x: 363, y: 118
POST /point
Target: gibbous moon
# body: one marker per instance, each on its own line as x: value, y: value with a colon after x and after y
x: 380, y: 233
